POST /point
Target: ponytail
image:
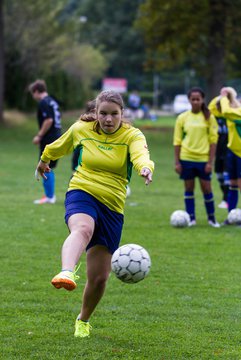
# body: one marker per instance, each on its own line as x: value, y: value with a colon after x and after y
x: 89, y: 114
x: 206, y: 112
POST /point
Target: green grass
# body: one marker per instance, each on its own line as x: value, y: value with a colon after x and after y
x: 187, y: 308
x: 160, y: 122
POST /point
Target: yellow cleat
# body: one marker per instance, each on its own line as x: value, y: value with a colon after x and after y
x: 65, y: 279
x: 82, y: 328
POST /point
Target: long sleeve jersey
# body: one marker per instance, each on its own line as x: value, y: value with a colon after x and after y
x: 233, y: 117
x: 195, y: 134
x: 105, y: 160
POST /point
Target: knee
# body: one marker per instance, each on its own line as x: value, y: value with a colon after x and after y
x: 100, y: 281
x: 83, y: 230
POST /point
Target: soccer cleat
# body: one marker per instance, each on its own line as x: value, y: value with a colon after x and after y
x: 45, y: 200
x: 223, y: 205
x: 82, y: 328
x: 65, y: 279
x: 192, y: 223
x: 214, y: 224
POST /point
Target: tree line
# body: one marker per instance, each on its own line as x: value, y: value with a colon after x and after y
x: 74, y: 44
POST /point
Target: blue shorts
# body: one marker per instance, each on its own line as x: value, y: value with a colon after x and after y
x: 233, y: 165
x: 108, y: 223
x: 192, y: 169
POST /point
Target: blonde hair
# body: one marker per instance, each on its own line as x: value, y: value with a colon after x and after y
x: 232, y: 96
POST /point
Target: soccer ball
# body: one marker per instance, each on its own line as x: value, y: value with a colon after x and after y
x: 234, y: 216
x: 130, y: 263
x: 180, y: 218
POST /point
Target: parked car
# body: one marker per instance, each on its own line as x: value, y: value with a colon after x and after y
x: 181, y: 104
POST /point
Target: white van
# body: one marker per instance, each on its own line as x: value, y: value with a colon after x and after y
x: 181, y: 104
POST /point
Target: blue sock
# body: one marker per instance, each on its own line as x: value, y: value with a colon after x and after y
x: 49, y: 184
x: 232, y: 197
x: 190, y: 204
x: 209, y: 205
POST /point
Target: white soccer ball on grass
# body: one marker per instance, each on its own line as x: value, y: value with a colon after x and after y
x: 234, y: 216
x: 130, y: 263
x: 180, y: 219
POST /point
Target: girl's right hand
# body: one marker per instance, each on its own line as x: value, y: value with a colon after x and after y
x: 178, y: 168
x: 42, y: 167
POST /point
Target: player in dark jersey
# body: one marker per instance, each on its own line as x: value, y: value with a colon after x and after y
x: 49, y: 121
x: 221, y: 161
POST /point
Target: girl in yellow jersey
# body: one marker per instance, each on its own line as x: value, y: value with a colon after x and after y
x: 228, y: 106
x: 195, y: 138
x: 108, y: 149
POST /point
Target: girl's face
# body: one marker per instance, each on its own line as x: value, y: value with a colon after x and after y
x: 196, y: 100
x: 109, y: 115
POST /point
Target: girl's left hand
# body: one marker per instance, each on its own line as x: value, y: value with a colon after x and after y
x: 208, y: 168
x: 147, y: 174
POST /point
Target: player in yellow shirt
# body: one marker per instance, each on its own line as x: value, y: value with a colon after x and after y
x: 108, y: 149
x: 195, y: 138
x: 228, y: 106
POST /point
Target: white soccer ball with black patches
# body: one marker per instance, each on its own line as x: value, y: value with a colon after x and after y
x: 180, y: 219
x: 234, y: 216
x: 131, y: 263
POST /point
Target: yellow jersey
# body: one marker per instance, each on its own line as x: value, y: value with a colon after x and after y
x: 195, y: 134
x: 233, y: 117
x: 105, y: 160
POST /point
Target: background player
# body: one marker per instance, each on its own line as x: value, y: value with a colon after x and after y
x: 195, y: 138
x: 49, y: 121
x: 228, y: 106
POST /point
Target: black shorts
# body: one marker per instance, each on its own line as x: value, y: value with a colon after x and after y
x: 52, y: 163
x: 220, y: 165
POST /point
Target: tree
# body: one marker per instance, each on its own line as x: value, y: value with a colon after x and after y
x: 202, y: 35
x: 1, y: 62
x: 109, y: 26
x: 44, y: 43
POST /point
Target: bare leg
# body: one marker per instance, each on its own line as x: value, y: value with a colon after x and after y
x: 98, y: 270
x: 239, y: 184
x: 205, y: 186
x: 189, y: 185
x: 81, y: 228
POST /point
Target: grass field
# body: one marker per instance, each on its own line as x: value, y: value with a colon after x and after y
x: 187, y: 308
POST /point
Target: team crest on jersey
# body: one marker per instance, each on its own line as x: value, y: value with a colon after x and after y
x: 105, y: 147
